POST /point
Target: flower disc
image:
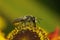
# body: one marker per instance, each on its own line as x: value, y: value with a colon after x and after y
x: 26, y: 29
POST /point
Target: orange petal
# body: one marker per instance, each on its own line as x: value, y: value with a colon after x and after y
x: 54, y: 35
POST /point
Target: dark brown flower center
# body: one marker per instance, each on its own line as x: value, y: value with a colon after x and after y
x: 26, y: 35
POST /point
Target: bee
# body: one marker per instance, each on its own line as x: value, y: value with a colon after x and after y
x: 26, y: 29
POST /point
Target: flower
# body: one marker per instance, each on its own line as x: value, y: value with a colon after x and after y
x: 54, y: 35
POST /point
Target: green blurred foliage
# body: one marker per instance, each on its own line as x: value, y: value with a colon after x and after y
x: 17, y: 8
